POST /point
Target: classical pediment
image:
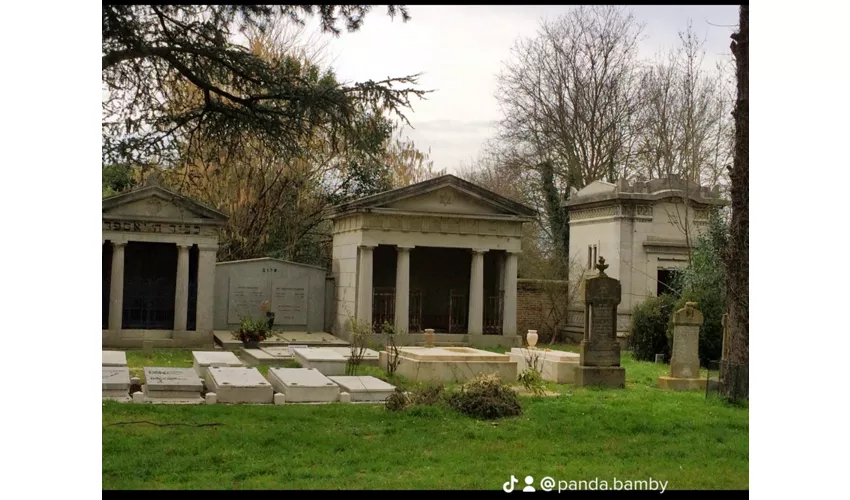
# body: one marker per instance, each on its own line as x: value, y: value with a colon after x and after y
x: 446, y: 194
x: 155, y: 203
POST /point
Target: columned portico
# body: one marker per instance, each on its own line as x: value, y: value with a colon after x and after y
x: 476, y: 293
x: 402, y: 289
x: 162, y: 268
x: 364, y: 285
x: 181, y: 291
x: 116, y: 285
x: 441, y: 255
x: 509, y: 276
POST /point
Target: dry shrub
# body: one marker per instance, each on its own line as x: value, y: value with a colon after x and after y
x: 485, y: 397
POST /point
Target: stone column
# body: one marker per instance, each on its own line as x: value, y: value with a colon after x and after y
x: 402, y: 289
x: 181, y: 290
x: 476, y: 293
x: 206, y: 288
x: 364, y: 285
x: 510, y: 280
x: 116, y: 286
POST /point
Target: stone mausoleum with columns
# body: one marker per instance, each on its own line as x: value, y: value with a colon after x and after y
x: 159, y: 262
x: 440, y: 254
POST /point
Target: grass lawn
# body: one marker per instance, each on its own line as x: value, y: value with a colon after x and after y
x: 630, y: 434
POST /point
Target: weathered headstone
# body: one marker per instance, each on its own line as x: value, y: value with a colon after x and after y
x: 172, y: 385
x: 599, y: 362
x: 684, y: 361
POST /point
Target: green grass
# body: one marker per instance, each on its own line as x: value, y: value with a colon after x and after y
x: 636, y: 433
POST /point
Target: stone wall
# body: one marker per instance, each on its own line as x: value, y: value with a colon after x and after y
x: 535, y: 309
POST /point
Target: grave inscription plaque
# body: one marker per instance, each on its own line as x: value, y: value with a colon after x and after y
x: 289, y: 302
x: 245, y: 297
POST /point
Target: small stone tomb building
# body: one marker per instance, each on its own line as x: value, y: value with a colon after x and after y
x: 295, y: 292
x: 159, y: 252
x: 645, y: 229
x: 440, y: 254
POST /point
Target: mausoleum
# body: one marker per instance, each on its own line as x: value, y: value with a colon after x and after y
x: 440, y: 254
x: 644, y: 230
x: 159, y: 255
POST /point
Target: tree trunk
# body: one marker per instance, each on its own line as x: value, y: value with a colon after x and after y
x: 735, y: 363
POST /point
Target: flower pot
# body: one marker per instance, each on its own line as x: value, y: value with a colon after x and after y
x: 429, y: 338
x: 270, y: 317
x: 531, y: 338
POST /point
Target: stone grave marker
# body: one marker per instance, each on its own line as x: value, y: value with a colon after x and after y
x: 169, y: 385
x: 684, y: 361
x: 303, y: 385
x: 599, y: 361
x: 114, y: 358
x: 239, y: 385
x: 206, y: 359
x: 327, y: 362
x: 116, y: 383
x: 365, y: 389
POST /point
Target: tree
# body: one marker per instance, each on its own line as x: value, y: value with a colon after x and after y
x: 146, y: 49
x: 735, y: 362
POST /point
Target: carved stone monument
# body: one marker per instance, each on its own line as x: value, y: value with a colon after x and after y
x: 684, y: 361
x: 599, y: 351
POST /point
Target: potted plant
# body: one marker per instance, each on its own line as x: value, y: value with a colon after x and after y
x: 265, y: 306
x: 251, y: 332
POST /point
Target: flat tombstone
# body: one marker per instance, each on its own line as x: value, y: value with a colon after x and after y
x: 172, y: 380
x: 326, y: 361
x: 368, y: 355
x: 278, y: 352
x: 365, y: 389
x: 114, y: 358
x: 303, y: 385
x: 116, y: 383
x: 684, y: 361
x: 239, y: 385
x: 205, y: 359
x: 167, y: 384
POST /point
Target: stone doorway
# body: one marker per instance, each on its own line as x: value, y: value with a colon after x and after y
x: 150, y: 278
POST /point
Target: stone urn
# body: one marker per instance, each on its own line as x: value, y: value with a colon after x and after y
x: 429, y: 337
x: 531, y: 338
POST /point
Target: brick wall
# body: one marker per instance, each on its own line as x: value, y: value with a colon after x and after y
x: 534, y: 309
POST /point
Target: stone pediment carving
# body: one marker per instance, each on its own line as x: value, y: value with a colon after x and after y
x: 446, y: 194
x: 158, y: 203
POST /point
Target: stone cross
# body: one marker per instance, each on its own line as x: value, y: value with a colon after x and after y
x: 601, y: 296
x: 684, y: 362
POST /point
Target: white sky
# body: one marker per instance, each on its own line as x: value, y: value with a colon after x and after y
x: 460, y: 50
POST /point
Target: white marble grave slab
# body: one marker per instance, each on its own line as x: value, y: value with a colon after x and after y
x: 239, y: 385
x: 114, y: 358
x: 365, y: 389
x: 206, y: 359
x: 169, y: 384
x: 326, y: 361
x: 303, y: 385
x: 116, y: 383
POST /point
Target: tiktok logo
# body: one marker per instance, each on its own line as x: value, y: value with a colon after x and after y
x: 509, y: 486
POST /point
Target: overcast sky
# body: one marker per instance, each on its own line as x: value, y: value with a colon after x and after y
x: 460, y: 50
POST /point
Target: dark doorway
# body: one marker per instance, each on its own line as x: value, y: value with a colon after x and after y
x: 107, y: 275
x: 150, y: 276
x: 668, y: 282
x: 441, y: 275
x: 193, y: 288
